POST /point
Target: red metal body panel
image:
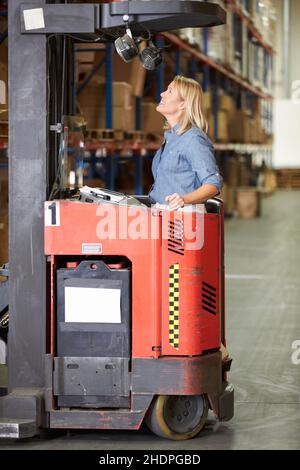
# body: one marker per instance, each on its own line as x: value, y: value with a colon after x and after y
x: 199, y: 330
x: 153, y: 256
x: 80, y: 224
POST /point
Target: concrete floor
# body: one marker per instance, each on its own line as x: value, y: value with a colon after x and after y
x: 263, y: 305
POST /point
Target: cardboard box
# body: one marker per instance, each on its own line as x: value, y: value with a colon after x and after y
x: 230, y: 201
x: 248, y: 202
x: 269, y: 181
x: 94, y: 95
x: 222, y: 126
x: 85, y: 60
x: 133, y: 73
x: 122, y: 118
x: 239, y: 127
x: 245, y: 175
x: 226, y: 103
x: 94, y: 182
x: 207, y: 102
x: 152, y: 120
x: 232, y: 171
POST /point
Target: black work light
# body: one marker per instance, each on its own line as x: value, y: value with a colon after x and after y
x: 126, y: 46
x: 150, y: 57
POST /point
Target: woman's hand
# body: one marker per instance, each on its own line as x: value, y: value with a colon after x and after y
x: 175, y: 201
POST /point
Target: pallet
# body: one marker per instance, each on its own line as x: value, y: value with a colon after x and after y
x: 100, y: 134
x: 288, y: 178
x: 115, y: 134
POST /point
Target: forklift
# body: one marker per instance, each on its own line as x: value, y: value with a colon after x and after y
x: 116, y: 308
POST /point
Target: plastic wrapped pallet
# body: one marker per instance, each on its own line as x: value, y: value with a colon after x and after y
x: 216, y: 37
x: 228, y: 41
x: 244, y: 50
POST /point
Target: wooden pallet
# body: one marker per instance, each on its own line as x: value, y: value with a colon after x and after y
x: 100, y: 134
x: 115, y: 135
x: 288, y: 178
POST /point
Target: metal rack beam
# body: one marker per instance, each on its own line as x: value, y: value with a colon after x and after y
x: 216, y: 66
x: 234, y: 7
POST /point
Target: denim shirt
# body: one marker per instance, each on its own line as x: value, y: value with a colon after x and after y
x: 183, y: 164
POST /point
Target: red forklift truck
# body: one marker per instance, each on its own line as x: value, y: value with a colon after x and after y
x: 116, y: 327
x: 137, y: 316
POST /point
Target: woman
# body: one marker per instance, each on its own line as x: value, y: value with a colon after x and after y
x: 184, y: 168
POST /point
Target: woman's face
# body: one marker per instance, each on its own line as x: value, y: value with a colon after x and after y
x: 171, y: 104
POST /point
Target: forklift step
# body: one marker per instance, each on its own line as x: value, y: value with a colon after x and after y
x: 17, y: 428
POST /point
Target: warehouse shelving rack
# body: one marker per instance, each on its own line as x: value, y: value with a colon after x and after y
x: 244, y: 16
x: 215, y: 74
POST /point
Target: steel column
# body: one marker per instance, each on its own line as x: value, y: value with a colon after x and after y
x: 178, y: 62
x: 138, y: 113
x: 108, y: 86
x: 27, y: 193
x: 160, y: 76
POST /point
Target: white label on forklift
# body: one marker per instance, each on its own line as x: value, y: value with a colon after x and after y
x: 91, y: 248
x: 34, y: 19
x: 92, y: 305
x: 52, y: 214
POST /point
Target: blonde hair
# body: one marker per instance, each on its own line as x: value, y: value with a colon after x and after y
x: 191, y: 93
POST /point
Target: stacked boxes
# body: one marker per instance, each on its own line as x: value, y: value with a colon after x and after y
x: 228, y: 41
x: 243, y: 126
x: 263, y: 14
x: 226, y: 111
x: 233, y: 45
x: 92, y: 105
x: 239, y: 197
x: 216, y: 38
x: 132, y: 73
x: 152, y: 120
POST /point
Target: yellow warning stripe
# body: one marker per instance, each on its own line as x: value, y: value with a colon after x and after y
x: 174, y: 305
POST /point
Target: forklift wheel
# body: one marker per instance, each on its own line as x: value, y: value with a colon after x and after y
x: 177, y: 417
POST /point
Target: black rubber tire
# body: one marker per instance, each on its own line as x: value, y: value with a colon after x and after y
x: 158, y: 422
